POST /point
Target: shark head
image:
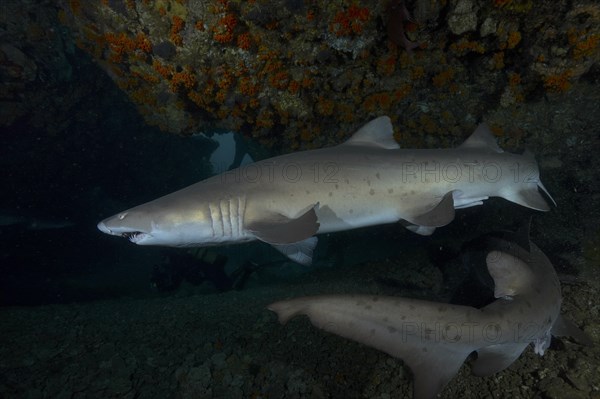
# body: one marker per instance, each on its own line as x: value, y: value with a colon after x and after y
x: 130, y: 226
x: 152, y: 224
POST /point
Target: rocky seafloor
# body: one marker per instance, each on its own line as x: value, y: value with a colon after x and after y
x: 230, y: 346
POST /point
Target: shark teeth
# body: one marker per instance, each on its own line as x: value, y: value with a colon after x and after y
x: 134, y: 236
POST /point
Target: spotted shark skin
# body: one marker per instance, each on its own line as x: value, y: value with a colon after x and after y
x: 368, y: 180
x: 434, y: 339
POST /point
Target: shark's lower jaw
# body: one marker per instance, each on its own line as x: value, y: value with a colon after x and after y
x: 134, y: 236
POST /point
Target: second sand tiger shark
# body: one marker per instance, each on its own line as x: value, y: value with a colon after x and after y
x: 434, y: 339
x: 367, y: 180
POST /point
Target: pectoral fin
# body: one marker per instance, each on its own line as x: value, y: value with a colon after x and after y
x: 440, y: 215
x: 278, y: 229
x: 495, y: 358
x: 432, y: 370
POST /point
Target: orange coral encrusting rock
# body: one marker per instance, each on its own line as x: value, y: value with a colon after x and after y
x: 300, y: 73
x: 184, y: 78
x: 350, y: 21
x: 143, y: 43
x: 557, y: 83
x: 584, y: 44
x: 223, y: 31
x: 176, y: 27
x: 244, y: 41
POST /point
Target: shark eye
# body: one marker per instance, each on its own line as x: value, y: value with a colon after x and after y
x: 122, y: 216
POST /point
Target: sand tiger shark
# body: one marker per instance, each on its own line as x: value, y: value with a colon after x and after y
x: 434, y: 339
x: 368, y: 180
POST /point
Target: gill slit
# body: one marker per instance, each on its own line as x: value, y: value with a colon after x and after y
x: 227, y: 217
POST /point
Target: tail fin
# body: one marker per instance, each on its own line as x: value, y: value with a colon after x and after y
x: 541, y: 186
x: 529, y: 195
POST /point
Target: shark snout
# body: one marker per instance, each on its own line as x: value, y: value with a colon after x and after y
x: 102, y: 227
x: 114, y: 229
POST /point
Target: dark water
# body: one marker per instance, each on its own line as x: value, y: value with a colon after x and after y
x: 156, y: 322
x: 105, y: 159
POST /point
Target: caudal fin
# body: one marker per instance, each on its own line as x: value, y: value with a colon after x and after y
x: 541, y: 187
x: 529, y: 190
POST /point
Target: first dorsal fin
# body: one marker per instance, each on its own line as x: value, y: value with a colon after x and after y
x: 482, y: 138
x: 376, y: 133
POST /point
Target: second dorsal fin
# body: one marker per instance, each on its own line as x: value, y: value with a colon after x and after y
x: 482, y: 138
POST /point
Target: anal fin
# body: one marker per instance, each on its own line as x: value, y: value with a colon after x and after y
x: 440, y: 215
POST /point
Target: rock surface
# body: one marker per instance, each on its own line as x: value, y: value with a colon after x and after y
x: 303, y: 74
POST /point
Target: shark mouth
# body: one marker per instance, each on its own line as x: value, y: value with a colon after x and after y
x: 134, y: 236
